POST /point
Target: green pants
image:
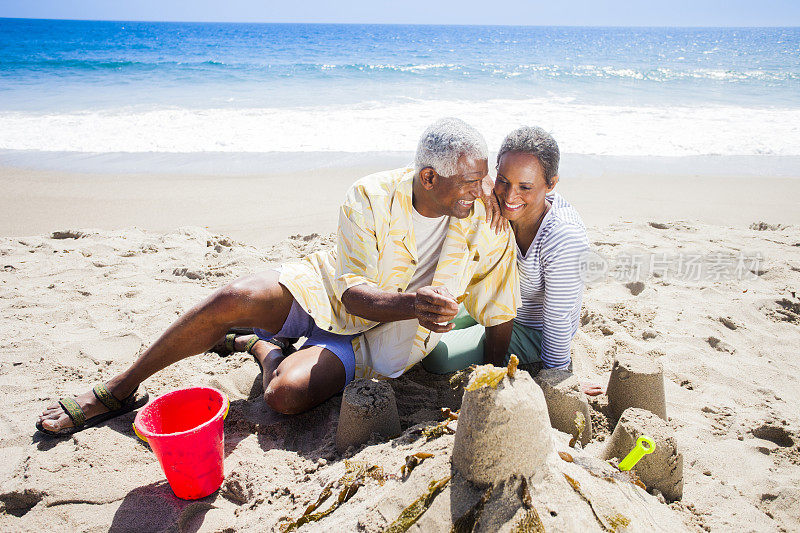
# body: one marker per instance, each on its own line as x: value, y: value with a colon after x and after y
x: 463, y: 345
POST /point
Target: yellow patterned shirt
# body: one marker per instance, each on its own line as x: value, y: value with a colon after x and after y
x: 376, y: 246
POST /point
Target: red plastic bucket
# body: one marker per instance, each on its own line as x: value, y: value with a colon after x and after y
x: 184, y: 429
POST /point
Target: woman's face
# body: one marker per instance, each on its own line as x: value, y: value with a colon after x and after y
x: 520, y: 186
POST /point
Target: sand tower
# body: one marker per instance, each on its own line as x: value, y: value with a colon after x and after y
x: 636, y: 381
x: 662, y: 469
x: 562, y: 392
x: 368, y: 406
x: 503, y: 427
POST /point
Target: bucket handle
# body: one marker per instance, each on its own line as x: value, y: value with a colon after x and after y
x: 224, y: 416
x: 137, y: 432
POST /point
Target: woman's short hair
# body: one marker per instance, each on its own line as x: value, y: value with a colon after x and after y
x: 535, y: 141
x: 444, y: 141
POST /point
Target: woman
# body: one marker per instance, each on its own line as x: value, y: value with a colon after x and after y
x: 551, y: 239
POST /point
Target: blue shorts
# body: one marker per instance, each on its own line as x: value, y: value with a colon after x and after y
x: 300, y: 324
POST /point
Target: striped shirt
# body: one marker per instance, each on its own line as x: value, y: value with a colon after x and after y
x: 550, y: 280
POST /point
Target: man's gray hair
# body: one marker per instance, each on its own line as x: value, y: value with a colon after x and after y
x: 445, y: 141
x: 535, y: 141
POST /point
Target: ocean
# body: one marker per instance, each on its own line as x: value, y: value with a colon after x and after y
x: 143, y: 87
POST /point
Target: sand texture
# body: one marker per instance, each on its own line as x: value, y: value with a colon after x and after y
x: 78, y: 305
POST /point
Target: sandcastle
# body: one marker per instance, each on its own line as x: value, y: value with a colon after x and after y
x: 503, y: 428
x: 636, y: 381
x: 368, y: 406
x: 661, y: 470
x: 564, y: 399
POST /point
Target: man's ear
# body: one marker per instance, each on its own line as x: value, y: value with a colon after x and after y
x: 428, y: 177
x: 553, y: 184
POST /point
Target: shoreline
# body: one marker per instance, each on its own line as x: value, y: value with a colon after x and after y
x: 261, y: 208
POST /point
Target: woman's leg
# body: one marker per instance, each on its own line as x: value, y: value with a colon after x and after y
x: 526, y: 344
x: 457, y: 350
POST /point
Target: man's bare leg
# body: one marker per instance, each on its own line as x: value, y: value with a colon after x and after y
x: 302, y: 380
x: 253, y: 301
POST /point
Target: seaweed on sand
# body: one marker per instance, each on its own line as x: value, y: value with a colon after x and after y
x: 580, y: 425
x: 309, y: 516
x: 441, y: 428
x: 409, y: 516
x: 609, y: 522
x: 412, y: 461
x: 356, y: 474
x: 530, y: 521
x: 491, y: 376
x: 466, y: 522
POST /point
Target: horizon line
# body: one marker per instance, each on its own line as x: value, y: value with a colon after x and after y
x: 392, y: 23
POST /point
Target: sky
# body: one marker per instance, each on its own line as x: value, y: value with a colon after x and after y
x: 514, y: 12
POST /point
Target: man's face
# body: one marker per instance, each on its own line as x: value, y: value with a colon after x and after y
x: 454, y: 195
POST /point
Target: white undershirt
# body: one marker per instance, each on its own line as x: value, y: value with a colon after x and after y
x: 429, y: 234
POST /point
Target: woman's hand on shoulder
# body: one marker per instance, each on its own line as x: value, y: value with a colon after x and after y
x: 493, y: 214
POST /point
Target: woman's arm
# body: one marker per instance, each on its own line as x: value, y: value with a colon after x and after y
x: 563, y: 292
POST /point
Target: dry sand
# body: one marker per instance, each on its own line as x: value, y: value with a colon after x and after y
x: 77, y: 310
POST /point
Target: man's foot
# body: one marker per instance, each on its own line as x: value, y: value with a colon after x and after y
x: 56, y: 420
x: 239, y: 344
x: 268, y: 356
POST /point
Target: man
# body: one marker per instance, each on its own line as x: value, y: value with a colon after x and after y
x: 411, y: 243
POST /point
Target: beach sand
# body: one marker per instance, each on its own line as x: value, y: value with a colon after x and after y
x: 83, y: 291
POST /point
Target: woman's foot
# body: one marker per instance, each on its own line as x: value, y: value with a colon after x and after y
x: 55, y: 419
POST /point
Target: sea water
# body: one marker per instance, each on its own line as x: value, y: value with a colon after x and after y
x: 145, y: 87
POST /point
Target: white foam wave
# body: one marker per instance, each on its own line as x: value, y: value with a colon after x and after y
x: 375, y: 126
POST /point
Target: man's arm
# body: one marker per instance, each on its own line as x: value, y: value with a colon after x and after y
x: 434, y: 307
x: 497, y: 340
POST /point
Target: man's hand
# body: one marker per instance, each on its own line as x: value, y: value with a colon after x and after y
x: 435, y: 307
x: 493, y: 213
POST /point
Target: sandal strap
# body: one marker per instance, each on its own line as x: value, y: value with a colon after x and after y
x: 229, y: 340
x: 252, y: 342
x: 105, y: 397
x: 73, y: 410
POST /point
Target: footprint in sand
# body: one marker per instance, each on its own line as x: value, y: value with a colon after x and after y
x: 19, y: 502
x: 636, y: 287
x: 789, y: 311
x: 68, y: 234
x: 763, y: 226
x: 649, y: 334
x: 722, y: 419
x: 728, y: 322
x: 719, y: 345
x: 774, y: 433
x: 670, y: 225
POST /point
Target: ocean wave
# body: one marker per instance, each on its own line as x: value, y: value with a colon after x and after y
x: 12, y: 65
x: 375, y: 126
x: 477, y: 71
x: 534, y: 71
